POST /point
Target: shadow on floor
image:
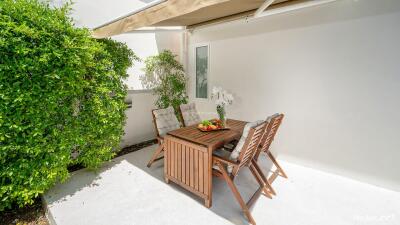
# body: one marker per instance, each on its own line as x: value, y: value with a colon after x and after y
x: 125, y: 191
x: 223, y: 203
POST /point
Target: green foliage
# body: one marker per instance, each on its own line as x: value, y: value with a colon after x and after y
x: 166, y: 76
x: 61, y: 91
x: 206, y: 123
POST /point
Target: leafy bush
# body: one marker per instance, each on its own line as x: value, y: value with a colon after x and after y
x: 61, y: 91
x: 166, y: 76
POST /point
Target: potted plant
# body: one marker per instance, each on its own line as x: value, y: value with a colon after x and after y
x: 167, y: 78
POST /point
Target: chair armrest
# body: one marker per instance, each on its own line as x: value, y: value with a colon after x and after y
x: 225, y: 161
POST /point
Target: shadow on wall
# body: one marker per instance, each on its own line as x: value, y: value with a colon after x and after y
x: 332, y: 70
x: 166, y: 40
x: 139, y: 125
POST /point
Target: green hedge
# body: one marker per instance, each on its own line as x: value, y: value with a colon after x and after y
x: 61, y: 92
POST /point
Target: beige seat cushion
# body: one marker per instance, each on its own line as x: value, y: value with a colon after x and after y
x: 190, y: 114
x: 166, y: 120
x: 236, y: 152
x: 234, y: 155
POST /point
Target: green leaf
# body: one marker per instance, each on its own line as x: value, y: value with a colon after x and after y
x: 61, y: 91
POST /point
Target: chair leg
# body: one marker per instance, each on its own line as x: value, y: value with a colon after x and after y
x: 260, y: 181
x: 253, y: 198
x: 260, y: 190
x: 267, y: 183
x: 282, y: 173
x: 236, y: 193
x: 155, y: 155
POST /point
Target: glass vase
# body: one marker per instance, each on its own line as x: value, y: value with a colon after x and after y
x: 222, y: 114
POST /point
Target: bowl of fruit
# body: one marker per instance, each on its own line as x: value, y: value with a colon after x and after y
x: 211, y: 125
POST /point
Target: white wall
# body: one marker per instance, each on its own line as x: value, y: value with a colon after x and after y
x: 145, y: 45
x: 139, y: 125
x: 334, y: 70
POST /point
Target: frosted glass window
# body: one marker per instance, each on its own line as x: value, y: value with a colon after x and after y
x: 201, y: 71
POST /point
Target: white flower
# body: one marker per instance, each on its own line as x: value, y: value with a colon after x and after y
x: 229, y: 98
x: 216, y: 90
x: 221, y: 97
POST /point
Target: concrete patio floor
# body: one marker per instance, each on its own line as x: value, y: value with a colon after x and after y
x: 125, y: 191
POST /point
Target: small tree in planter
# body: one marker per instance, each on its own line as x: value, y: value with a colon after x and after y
x: 61, y: 91
x: 166, y: 77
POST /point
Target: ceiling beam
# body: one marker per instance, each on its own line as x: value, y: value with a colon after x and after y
x: 295, y: 5
x: 262, y: 8
x: 157, y: 29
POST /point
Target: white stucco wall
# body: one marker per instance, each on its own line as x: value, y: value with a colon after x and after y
x: 333, y: 70
x: 139, y: 126
x: 145, y: 45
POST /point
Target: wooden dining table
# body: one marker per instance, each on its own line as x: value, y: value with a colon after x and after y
x: 188, y: 156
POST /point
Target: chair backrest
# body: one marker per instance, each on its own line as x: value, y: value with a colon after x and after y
x: 250, y: 146
x: 165, y: 120
x: 189, y: 114
x: 273, y: 123
x: 239, y: 146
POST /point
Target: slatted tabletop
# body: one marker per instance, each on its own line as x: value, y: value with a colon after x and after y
x: 211, y: 139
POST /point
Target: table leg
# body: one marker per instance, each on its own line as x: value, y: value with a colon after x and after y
x: 207, y: 203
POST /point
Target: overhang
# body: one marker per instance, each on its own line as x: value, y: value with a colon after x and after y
x: 187, y: 13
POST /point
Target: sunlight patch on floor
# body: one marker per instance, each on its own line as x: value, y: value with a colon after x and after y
x: 125, y: 191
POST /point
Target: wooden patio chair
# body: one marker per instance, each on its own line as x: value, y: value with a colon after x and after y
x: 189, y: 114
x: 226, y: 165
x: 273, y: 124
x: 164, y: 120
